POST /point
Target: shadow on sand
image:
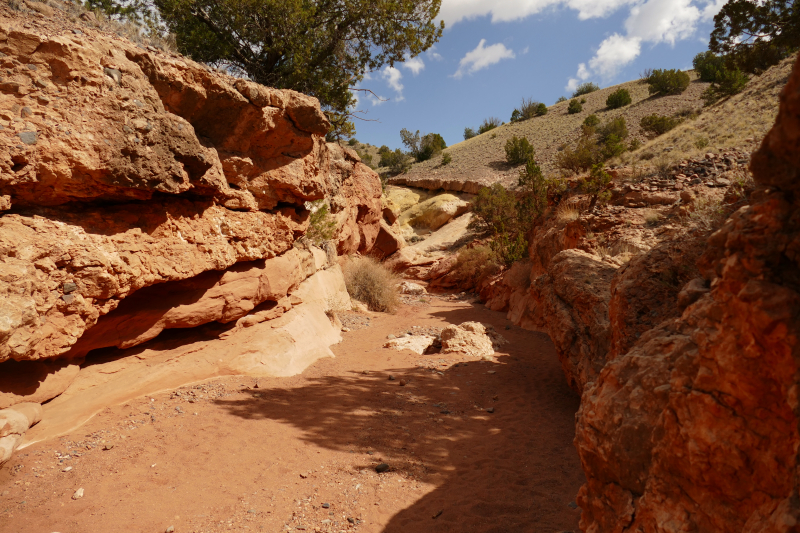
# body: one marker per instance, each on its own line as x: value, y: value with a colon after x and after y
x: 511, y: 470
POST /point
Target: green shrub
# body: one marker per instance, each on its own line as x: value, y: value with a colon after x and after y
x: 667, y: 81
x: 611, y: 138
x: 515, y: 116
x: 585, y: 88
x: 591, y: 121
x: 370, y: 282
x: 518, y: 150
x: 488, y: 125
x: 574, y: 107
x: 701, y: 142
x: 619, y: 98
x: 596, y: 184
x: 469, y: 133
x: 561, y: 99
x: 727, y: 83
x: 635, y: 144
x: 580, y: 158
x: 321, y: 225
x: 383, y: 149
x: 353, y: 141
x: 423, y: 147
x: 541, y: 109
x: 446, y: 158
x: 707, y: 65
x: 397, y: 161
x: 657, y: 125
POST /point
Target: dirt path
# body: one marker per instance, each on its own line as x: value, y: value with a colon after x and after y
x: 299, y: 454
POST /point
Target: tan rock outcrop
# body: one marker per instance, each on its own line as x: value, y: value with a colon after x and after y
x: 14, y: 422
x: 472, y: 339
x: 695, y: 428
x: 387, y: 241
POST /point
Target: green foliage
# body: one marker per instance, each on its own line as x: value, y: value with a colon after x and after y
x: 422, y: 148
x: 561, y: 99
x: 657, y: 125
x: 591, y: 121
x: 619, y: 98
x: 321, y: 48
x: 753, y: 36
x: 726, y: 83
x: 352, y: 142
x: 518, y: 150
x: 341, y: 127
x: 515, y: 115
x: 574, y: 107
x: 488, y: 125
x: 707, y: 65
x: 383, y: 149
x: 667, y: 81
x: 446, y: 158
x: 322, y: 226
x: 469, y: 133
x: 635, y: 144
x: 541, y: 109
x: 596, y: 184
x: 585, y: 88
x: 611, y: 138
x: 397, y: 162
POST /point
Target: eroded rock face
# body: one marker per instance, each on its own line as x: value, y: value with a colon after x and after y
x: 695, y: 428
x: 13, y: 425
x: 124, y: 168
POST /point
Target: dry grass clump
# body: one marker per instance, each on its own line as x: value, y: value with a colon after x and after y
x: 707, y: 213
x: 370, y: 282
x: 474, y: 265
x: 651, y: 216
x: 567, y: 212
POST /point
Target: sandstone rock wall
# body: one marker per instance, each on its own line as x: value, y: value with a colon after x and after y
x: 695, y: 428
x: 141, y: 191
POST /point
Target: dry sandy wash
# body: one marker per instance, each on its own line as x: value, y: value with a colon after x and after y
x: 239, y: 454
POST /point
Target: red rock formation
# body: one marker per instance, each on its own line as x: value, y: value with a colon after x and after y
x: 122, y: 168
x: 696, y: 427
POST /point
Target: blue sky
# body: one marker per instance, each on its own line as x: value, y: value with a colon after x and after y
x: 495, y: 52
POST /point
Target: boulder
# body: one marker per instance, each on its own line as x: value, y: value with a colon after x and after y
x: 387, y: 242
x: 14, y: 422
x: 432, y: 213
x: 695, y: 428
x: 408, y: 287
x: 415, y: 343
x: 472, y: 339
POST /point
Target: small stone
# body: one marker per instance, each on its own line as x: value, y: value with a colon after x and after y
x: 351, y: 520
x: 114, y: 74
x: 304, y: 475
x: 390, y: 336
x: 77, y: 32
x: 402, y: 383
x: 572, y: 505
x: 326, y: 506
x: 490, y: 410
x: 69, y: 287
x: 108, y: 446
x: 345, y: 329
x: 78, y: 494
x: 26, y: 112
x: 381, y: 468
x: 68, y: 298
x: 391, y: 377
x: 170, y: 529
x: 67, y: 469
x: 28, y: 137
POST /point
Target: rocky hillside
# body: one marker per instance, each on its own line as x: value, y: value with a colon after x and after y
x: 737, y: 122
x: 142, y: 191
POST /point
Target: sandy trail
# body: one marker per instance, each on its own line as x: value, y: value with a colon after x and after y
x: 227, y: 456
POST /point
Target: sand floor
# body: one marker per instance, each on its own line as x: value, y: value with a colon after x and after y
x: 299, y: 453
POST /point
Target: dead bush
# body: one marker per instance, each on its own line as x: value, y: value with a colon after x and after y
x: 474, y: 265
x: 370, y: 282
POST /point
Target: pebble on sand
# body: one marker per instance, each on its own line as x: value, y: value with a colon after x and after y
x: 78, y: 494
x: 381, y: 468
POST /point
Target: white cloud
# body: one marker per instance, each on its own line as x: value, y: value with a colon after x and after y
x: 392, y: 77
x: 433, y: 54
x: 526, y: 50
x: 614, y: 53
x: 659, y: 21
x: 482, y: 57
x: 414, y: 64
x: 453, y: 11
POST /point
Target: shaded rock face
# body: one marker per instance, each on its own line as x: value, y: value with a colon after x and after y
x: 695, y: 428
x: 125, y: 170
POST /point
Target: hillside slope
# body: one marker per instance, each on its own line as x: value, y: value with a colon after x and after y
x: 481, y: 161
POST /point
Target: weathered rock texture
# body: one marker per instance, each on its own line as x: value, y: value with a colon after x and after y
x: 13, y: 425
x: 125, y: 168
x: 695, y: 428
x: 141, y: 191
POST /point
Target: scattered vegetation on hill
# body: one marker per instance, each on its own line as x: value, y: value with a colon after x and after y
x: 666, y: 81
x: 591, y: 121
x: 518, y: 150
x: 528, y: 109
x: 370, y: 282
x: 488, y: 125
x: 585, y: 88
x: 424, y: 147
x: 594, y: 146
x: 469, y: 133
x: 574, y: 107
x: 397, y: 162
x: 658, y: 124
x: 619, y: 98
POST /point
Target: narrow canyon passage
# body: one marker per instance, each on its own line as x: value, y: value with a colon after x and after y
x: 299, y: 453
